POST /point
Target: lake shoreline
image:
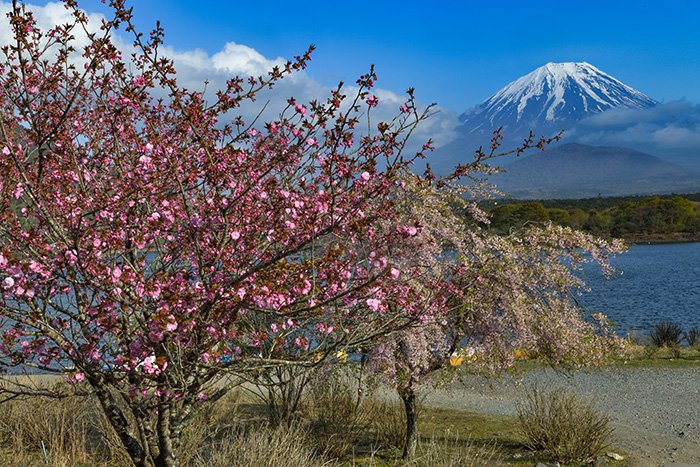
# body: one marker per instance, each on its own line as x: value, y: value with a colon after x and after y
x: 661, y: 239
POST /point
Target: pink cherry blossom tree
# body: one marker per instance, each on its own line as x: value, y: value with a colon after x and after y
x: 488, y: 296
x: 152, y: 242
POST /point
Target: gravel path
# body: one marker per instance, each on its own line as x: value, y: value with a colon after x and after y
x: 656, y: 411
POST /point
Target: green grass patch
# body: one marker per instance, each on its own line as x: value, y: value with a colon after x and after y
x: 659, y: 357
x: 450, y: 434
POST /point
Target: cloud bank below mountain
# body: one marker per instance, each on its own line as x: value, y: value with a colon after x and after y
x: 670, y: 129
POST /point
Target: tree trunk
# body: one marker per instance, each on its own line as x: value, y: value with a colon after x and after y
x: 166, y: 451
x: 119, y: 422
x: 408, y: 396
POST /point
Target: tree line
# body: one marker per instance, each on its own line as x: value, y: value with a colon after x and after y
x: 633, y: 218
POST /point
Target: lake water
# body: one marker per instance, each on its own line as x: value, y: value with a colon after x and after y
x: 654, y: 283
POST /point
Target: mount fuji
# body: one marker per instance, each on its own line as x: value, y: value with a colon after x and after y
x: 556, y: 97
x: 551, y: 98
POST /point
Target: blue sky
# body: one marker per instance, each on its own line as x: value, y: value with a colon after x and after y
x: 454, y: 53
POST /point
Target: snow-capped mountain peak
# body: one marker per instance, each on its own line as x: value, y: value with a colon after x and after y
x: 555, y: 94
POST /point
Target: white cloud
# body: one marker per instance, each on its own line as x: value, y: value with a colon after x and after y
x: 672, y: 125
x: 196, y: 66
x: 238, y: 58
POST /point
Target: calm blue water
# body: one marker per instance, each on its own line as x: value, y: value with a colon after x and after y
x: 655, y: 282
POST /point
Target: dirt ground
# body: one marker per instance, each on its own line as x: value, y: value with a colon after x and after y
x: 655, y: 411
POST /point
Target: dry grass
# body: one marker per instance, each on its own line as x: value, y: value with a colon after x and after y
x: 667, y: 334
x: 692, y: 337
x: 342, y: 424
x: 452, y: 451
x: 72, y: 431
x: 388, y: 424
x: 340, y: 415
x: 59, y: 425
x: 263, y: 447
x: 562, y: 426
x: 75, y: 432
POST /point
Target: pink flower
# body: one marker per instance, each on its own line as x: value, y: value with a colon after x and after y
x: 273, y: 327
x: 373, y: 304
x: 6, y: 151
x: 407, y: 231
x: 151, y: 367
x: 71, y: 257
x: 202, y: 397
x: 365, y: 176
x: 172, y: 324
x: 78, y: 377
x: 8, y: 283
x: 380, y: 263
x: 394, y: 273
x: 301, y: 342
x: 18, y: 191
x: 301, y: 109
x: 156, y: 336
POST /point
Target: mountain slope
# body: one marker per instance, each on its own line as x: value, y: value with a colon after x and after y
x: 576, y: 171
x: 553, y: 97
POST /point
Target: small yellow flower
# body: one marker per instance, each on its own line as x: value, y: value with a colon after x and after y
x: 316, y: 357
x: 520, y: 354
x: 456, y: 360
x: 342, y: 356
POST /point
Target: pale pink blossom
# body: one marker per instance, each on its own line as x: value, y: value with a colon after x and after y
x: 373, y: 304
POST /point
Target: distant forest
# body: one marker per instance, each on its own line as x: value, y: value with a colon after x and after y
x: 663, y: 218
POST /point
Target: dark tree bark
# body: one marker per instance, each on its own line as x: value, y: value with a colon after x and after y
x: 408, y: 395
x: 118, y: 420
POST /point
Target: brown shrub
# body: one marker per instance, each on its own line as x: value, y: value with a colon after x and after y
x: 563, y: 426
